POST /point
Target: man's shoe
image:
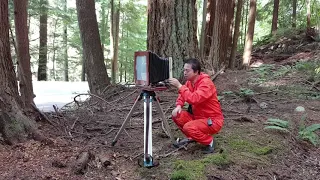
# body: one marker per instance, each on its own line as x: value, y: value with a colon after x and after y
x: 208, y: 149
x: 183, y: 142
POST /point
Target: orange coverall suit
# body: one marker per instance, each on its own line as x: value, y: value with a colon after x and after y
x: 203, y: 98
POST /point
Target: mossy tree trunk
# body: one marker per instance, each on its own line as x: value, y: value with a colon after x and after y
x: 172, y: 31
x: 15, y: 126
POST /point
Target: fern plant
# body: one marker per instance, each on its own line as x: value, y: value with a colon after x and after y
x: 277, y: 124
x: 308, y: 133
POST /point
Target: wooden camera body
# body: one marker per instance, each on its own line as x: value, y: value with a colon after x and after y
x: 150, y: 70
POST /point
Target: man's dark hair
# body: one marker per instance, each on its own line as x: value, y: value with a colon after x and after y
x: 195, y: 64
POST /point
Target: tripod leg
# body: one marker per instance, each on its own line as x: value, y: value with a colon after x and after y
x: 165, y: 121
x: 125, y: 122
x: 148, y: 162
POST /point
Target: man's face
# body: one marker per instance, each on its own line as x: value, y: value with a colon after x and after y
x: 188, y: 72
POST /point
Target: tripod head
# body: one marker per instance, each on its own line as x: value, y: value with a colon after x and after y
x: 159, y: 86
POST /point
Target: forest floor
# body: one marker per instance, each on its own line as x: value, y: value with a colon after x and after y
x: 83, y: 131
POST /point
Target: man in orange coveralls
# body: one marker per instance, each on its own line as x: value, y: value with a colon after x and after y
x: 204, y: 117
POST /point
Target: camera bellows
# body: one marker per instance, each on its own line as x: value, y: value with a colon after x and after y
x: 158, y: 68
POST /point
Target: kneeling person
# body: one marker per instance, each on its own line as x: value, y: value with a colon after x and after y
x: 204, y: 117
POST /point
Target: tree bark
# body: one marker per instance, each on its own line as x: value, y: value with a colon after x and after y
x: 14, y: 124
x: 236, y: 35
x: 308, y: 14
x: 220, y: 43
x: 83, y: 69
x: 294, y: 13
x: 54, y: 50
x: 65, y: 44
x: 231, y: 16
x: 114, y: 39
x: 25, y: 76
x: 42, y: 67
x: 172, y: 31
x: 116, y: 44
x: 92, y: 51
x: 249, y: 36
x: 275, y: 17
x: 211, y: 10
x: 203, y: 28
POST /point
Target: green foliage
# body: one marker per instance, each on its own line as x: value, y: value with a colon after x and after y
x: 308, y: 132
x: 195, y: 169
x: 277, y: 124
x: 310, y: 68
x: 228, y: 93
x: 244, y: 145
x: 246, y: 92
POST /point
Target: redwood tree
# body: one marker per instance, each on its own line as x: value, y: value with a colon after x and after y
x: 114, y: 39
x: 172, y: 30
x: 43, y: 50
x: 250, y: 33
x: 275, y: 17
x: 15, y: 126
x: 221, y: 29
x: 25, y: 76
x: 92, y: 51
x: 236, y: 34
x: 294, y: 13
x: 211, y: 9
x: 308, y: 14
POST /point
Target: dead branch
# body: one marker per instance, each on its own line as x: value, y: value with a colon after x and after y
x: 242, y: 119
x: 176, y: 150
x: 43, y: 115
x: 105, y: 159
x: 216, y: 74
x: 267, y: 92
x: 93, y: 95
x: 81, y: 163
x: 74, y: 123
x: 123, y: 97
x: 68, y: 105
x: 314, y: 85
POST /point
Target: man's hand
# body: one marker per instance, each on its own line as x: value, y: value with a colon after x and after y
x: 176, y: 111
x: 174, y: 82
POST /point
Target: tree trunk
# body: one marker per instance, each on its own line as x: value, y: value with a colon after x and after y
x: 54, y: 50
x: 218, y: 50
x: 92, y: 51
x: 249, y: 36
x: 14, y: 124
x: 65, y: 44
x: 114, y: 39
x: 25, y: 76
x: 236, y: 35
x: 83, y: 69
x: 42, y: 67
x: 231, y: 16
x: 308, y: 14
x: 211, y: 10
x: 246, y: 21
x: 172, y: 31
x: 275, y: 17
x: 294, y: 13
x: 203, y: 28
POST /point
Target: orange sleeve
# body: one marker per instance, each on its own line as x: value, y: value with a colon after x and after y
x: 180, y: 101
x: 204, y: 91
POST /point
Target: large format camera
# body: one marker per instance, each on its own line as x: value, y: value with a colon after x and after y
x: 150, y: 70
